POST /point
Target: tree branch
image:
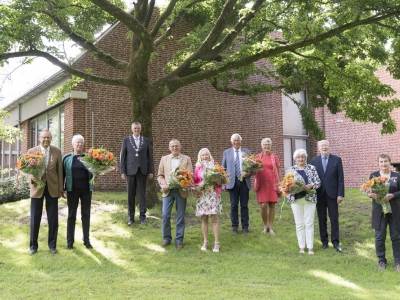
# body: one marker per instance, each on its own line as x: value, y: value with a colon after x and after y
x: 107, y: 58
x: 129, y: 21
x: 63, y: 66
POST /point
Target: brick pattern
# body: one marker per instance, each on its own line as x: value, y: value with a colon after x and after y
x: 360, y: 144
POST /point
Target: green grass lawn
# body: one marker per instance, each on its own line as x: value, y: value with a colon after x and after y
x: 128, y: 262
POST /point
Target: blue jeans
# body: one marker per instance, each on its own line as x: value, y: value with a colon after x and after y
x: 168, y: 202
x: 239, y: 193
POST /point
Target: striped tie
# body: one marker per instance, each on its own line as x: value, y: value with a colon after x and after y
x: 237, y: 165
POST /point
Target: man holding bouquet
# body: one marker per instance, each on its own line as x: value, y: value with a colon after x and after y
x: 136, y: 166
x: 232, y: 161
x: 53, y: 189
x: 166, y: 170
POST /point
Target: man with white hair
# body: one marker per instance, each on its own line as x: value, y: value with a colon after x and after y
x: 232, y: 160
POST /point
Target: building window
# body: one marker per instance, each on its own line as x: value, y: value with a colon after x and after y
x: 294, y: 135
x: 52, y: 120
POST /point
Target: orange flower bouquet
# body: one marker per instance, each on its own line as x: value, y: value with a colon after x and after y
x: 33, y: 164
x: 251, y: 163
x: 380, y: 186
x: 99, y: 161
x: 293, y: 183
x: 181, y: 178
x: 215, y: 176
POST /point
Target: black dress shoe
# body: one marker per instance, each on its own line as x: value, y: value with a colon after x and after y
x: 234, y: 230
x: 53, y: 250
x: 325, y: 246
x: 130, y: 222
x: 246, y: 231
x: 32, y: 251
x: 70, y: 247
x: 143, y: 222
x: 88, y: 245
x: 337, y: 247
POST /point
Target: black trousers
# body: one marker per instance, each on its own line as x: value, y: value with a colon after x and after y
x: 325, y: 205
x: 138, y: 181
x: 52, y: 219
x: 380, y: 239
x: 73, y: 200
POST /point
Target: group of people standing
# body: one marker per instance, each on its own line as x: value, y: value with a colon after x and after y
x: 323, y: 191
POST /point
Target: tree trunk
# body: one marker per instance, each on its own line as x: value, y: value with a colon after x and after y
x: 142, y: 111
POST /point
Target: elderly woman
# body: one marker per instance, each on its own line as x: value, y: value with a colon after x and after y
x: 304, y: 202
x: 266, y: 185
x: 208, y: 201
x: 77, y: 186
x: 380, y: 221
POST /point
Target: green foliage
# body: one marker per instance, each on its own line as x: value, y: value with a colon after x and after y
x: 9, y: 192
x: 332, y: 49
x: 8, y: 133
x: 57, y: 95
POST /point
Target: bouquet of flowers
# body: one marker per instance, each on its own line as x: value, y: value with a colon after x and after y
x: 33, y: 164
x: 181, y: 178
x: 380, y: 186
x: 215, y: 176
x: 293, y: 183
x: 251, y: 163
x: 99, y: 161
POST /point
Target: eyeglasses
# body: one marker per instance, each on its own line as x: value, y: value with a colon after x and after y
x: 46, y: 137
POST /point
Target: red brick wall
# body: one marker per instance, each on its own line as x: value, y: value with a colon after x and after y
x: 360, y: 144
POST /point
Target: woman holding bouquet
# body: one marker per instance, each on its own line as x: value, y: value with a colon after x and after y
x: 303, y: 200
x: 208, y: 200
x: 266, y: 185
x: 77, y: 186
x: 380, y: 221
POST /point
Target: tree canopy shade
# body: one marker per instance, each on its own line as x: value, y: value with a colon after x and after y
x: 329, y: 48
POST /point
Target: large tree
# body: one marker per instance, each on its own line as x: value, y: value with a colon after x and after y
x: 330, y: 48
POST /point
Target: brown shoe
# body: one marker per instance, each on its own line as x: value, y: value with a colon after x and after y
x: 179, y: 245
x: 165, y: 244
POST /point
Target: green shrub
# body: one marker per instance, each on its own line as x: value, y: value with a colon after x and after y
x: 10, y: 193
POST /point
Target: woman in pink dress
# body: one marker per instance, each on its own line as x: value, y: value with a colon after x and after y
x: 266, y: 185
x: 208, y: 201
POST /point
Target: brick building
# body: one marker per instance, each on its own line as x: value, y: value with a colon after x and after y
x: 197, y: 115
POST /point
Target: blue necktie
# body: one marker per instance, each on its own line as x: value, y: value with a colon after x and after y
x: 237, y: 165
x: 324, y: 163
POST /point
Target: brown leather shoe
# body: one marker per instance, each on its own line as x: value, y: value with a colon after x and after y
x: 165, y: 244
x: 179, y: 245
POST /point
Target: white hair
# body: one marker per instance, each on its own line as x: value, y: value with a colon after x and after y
x: 263, y: 141
x: 77, y: 137
x: 235, y: 135
x: 199, y: 161
x: 299, y: 152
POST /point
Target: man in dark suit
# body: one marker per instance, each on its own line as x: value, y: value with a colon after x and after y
x: 232, y: 160
x: 53, y: 178
x: 136, y: 166
x: 330, y: 194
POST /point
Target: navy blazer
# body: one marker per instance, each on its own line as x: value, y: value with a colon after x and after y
x: 130, y: 163
x: 332, y: 181
x: 228, y: 162
x: 394, y: 188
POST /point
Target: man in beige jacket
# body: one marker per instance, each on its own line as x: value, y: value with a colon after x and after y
x: 53, y: 177
x: 167, y: 165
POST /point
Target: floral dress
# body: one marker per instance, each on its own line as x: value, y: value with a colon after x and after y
x: 208, y: 202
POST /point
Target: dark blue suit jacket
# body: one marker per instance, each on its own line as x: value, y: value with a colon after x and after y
x: 129, y: 162
x: 332, y: 181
